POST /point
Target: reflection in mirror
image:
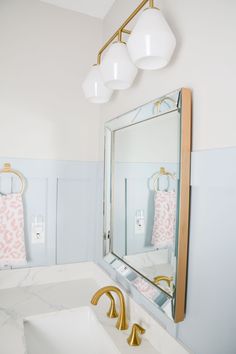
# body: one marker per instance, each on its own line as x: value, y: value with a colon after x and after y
x: 145, y: 197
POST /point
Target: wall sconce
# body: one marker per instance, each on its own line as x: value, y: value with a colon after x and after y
x: 149, y: 47
x: 93, y: 86
x: 152, y: 42
x: 117, y: 69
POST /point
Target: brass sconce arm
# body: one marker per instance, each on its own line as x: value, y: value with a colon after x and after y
x: 122, y: 29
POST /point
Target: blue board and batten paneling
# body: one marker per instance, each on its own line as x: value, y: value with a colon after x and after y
x: 64, y: 194
x: 209, y: 326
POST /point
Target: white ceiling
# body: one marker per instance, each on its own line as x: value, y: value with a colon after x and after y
x: 95, y: 8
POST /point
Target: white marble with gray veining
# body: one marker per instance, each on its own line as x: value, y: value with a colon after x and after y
x: 30, y: 292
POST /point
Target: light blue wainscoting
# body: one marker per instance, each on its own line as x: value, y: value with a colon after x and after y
x: 210, y: 323
x: 64, y: 195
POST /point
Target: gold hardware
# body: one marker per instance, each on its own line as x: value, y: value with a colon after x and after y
x: 126, y: 31
x: 163, y: 172
x: 122, y: 321
x: 7, y: 169
x: 151, y: 3
x: 159, y: 278
x: 134, y: 338
x: 122, y: 27
x: 112, y: 313
x: 184, y: 200
x: 159, y: 102
x: 120, y: 36
x: 156, y: 176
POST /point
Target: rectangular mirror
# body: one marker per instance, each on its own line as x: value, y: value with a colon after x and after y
x: 146, y: 198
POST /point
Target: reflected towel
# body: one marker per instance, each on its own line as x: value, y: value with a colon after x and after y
x: 164, y: 219
x: 145, y: 288
x: 12, y: 245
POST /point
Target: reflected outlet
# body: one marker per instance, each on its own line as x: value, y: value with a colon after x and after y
x: 139, y: 227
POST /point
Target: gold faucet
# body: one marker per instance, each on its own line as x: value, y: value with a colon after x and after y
x: 112, y: 313
x: 159, y: 278
x: 121, y: 323
x: 134, y: 339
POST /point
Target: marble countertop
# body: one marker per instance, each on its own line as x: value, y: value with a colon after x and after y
x: 29, y: 292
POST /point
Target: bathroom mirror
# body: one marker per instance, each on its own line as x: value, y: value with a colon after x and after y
x: 146, y: 198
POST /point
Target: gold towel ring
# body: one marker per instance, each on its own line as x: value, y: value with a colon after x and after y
x: 156, y: 176
x: 158, y: 103
x: 7, y: 169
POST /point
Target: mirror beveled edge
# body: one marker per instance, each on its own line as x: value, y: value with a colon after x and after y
x: 178, y: 302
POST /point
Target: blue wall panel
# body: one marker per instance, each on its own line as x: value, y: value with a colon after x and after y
x: 64, y: 194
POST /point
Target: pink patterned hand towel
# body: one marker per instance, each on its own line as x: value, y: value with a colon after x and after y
x: 12, y: 245
x: 164, y: 219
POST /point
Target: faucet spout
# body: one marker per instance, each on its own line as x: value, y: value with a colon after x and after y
x: 159, y: 278
x: 122, y: 320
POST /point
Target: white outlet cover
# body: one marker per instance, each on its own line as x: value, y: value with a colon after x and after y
x: 38, y: 235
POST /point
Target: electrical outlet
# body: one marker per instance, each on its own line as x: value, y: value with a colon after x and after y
x: 37, y: 230
x: 139, y: 223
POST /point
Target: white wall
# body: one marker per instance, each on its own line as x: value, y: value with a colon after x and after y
x: 204, y: 61
x: 45, y: 54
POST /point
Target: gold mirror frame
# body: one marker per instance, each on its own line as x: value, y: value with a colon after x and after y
x: 183, y: 97
x: 184, y: 204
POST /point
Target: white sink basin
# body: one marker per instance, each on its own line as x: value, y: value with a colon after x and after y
x: 75, y: 331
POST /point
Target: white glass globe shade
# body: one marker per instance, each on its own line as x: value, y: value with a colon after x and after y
x: 118, y: 71
x: 93, y: 86
x: 151, y: 43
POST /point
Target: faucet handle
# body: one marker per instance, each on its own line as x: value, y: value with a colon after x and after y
x: 134, y: 338
x: 112, y: 313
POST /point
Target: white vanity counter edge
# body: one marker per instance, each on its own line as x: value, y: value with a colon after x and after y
x: 158, y: 337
